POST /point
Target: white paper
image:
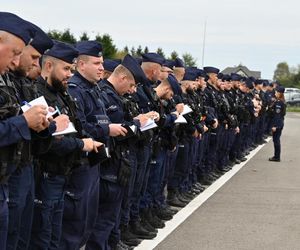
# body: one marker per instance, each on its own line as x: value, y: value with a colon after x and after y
x: 186, y: 110
x: 38, y: 101
x: 133, y: 128
x: 180, y: 119
x: 149, y: 125
x: 70, y: 129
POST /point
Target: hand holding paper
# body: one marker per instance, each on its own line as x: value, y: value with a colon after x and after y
x: 149, y: 125
x: 180, y: 119
x: 186, y: 110
x: 36, y: 118
x: 62, y: 122
x: 69, y: 130
x: 40, y: 101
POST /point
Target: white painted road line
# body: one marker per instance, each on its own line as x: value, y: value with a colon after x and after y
x: 185, y: 212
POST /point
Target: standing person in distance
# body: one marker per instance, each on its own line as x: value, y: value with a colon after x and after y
x: 277, y: 122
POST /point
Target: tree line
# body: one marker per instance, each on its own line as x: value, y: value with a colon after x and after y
x: 287, y: 76
x: 111, y: 51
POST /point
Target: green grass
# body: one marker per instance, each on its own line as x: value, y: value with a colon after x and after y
x: 293, y: 109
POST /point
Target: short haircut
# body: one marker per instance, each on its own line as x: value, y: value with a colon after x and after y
x: 120, y: 69
x: 84, y: 58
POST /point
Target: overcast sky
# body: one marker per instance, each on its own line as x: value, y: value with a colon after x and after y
x: 257, y: 33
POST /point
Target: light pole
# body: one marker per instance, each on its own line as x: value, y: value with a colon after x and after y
x: 203, y: 49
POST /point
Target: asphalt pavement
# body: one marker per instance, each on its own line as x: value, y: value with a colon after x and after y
x: 258, y: 208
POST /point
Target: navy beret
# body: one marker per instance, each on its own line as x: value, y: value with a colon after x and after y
x: 154, y: 58
x: 89, y: 48
x: 265, y: 83
x: 280, y: 89
x: 201, y: 73
x: 133, y: 66
x: 249, y: 83
x: 252, y: 78
x: 139, y: 60
x: 110, y: 64
x: 191, y: 74
x: 244, y: 78
x: 169, y: 63
x: 15, y: 25
x: 174, y: 84
x: 235, y: 77
x: 178, y: 63
x: 63, y: 51
x: 211, y: 70
x: 220, y: 76
x: 41, y: 41
x: 226, y: 78
x: 258, y: 81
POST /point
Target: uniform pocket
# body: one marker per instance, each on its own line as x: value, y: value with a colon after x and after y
x: 74, y: 207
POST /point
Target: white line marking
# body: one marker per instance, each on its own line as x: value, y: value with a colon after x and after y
x: 194, y: 204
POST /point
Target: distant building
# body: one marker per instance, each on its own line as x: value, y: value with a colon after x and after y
x: 242, y: 70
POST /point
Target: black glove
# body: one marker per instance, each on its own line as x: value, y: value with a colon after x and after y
x: 124, y: 172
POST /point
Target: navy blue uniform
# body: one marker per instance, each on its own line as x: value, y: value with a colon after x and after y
x: 143, y: 150
x: 21, y: 181
x: 82, y: 190
x: 277, y: 121
x: 52, y: 168
x: 111, y: 189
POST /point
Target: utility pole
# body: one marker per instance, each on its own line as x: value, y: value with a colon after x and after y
x: 203, y: 49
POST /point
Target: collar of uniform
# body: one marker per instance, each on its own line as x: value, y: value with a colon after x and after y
x: 109, y: 85
x: 41, y: 81
x: 84, y: 80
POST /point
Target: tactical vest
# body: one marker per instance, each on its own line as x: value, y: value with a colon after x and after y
x: 51, y: 162
x: 26, y: 91
x: 9, y: 107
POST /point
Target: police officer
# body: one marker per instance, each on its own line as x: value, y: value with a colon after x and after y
x: 177, y: 187
x: 163, y: 140
x: 277, y: 122
x: 15, y: 33
x: 211, y: 92
x: 21, y: 182
x: 233, y: 124
x: 116, y: 172
x: 151, y: 66
x: 235, y: 153
x: 82, y: 190
x: 64, y: 153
